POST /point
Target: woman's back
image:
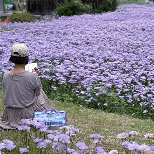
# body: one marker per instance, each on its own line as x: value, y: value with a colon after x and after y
x: 19, y: 89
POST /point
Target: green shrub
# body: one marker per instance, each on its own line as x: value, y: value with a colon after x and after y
x: 88, y: 8
x: 22, y: 17
x: 107, y: 5
x: 74, y: 7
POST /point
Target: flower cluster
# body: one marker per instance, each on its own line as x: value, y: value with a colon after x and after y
x: 8, y: 144
x: 134, y: 146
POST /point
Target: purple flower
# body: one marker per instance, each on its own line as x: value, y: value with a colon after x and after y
x: 65, y: 127
x: 64, y: 148
x: 23, y: 150
x: 2, y: 146
x: 38, y: 140
x: 6, y: 141
x: 10, y: 146
x: 152, y: 149
x: 57, y: 131
x: 43, y: 129
x: 49, y: 131
x: 71, y: 133
x: 22, y: 127
x: 144, y: 147
x: 27, y: 128
x: 113, y: 152
x: 56, y: 145
x: 36, y: 124
x: 148, y: 135
x: 133, y: 146
x: 145, y: 111
x: 24, y: 121
x: 55, y: 88
x: 43, y: 126
x: 93, y: 135
x: 82, y: 146
x: 104, y: 92
x: 96, y: 137
x: 70, y: 150
x: 99, y: 150
x: 126, y: 143
x: 105, y: 104
x: 42, y: 145
x: 57, y: 138
x: 133, y: 114
x: 50, y: 136
x: 132, y: 133
x: 38, y: 119
x: 82, y: 92
x: 65, y: 138
x: 123, y: 135
x: 76, y: 130
x: 47, y: 141
x: 75, y: 152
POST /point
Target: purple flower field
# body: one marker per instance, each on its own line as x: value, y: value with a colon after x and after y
x: 93, y: 55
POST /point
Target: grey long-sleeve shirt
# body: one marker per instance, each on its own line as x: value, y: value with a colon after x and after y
x: 20, y: 92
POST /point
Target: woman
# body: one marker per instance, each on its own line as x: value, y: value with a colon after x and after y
x: 22, y: 90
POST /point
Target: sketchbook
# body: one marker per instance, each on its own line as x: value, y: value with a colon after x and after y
x: 30, y: 67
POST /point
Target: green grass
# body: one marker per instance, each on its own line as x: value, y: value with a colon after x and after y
x: 124, y: 2
x: 94, y: 122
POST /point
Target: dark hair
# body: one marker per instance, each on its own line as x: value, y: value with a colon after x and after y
x: 19, y: 60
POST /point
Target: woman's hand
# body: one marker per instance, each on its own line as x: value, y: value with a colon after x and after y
x: 36, y: 70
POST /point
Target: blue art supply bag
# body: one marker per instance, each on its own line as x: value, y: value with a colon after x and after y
x: 52, y: 118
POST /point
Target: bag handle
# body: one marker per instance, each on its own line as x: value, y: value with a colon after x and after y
x: 50, y: 111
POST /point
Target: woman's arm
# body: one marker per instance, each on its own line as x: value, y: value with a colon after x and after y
x: 36, y: 70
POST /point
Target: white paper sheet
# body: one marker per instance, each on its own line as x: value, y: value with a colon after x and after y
x: 30, y: 67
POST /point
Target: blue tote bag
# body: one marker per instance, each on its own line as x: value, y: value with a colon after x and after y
x: 52, y: 118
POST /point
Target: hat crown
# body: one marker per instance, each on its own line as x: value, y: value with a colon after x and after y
x: 20, y: 50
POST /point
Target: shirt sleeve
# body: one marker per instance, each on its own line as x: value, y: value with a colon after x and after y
x: 37, y: 83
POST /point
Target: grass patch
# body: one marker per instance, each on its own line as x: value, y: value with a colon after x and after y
x: 90, y: 121
x: 125, y: 2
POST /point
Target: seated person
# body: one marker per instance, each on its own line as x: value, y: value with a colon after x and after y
x: 22, y: 90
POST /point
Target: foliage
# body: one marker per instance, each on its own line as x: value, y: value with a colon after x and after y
x: 1, y: 79
x: 73, y: 7
x: 10, y: 1
x: 22, y: 17
x: 107, y: 5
